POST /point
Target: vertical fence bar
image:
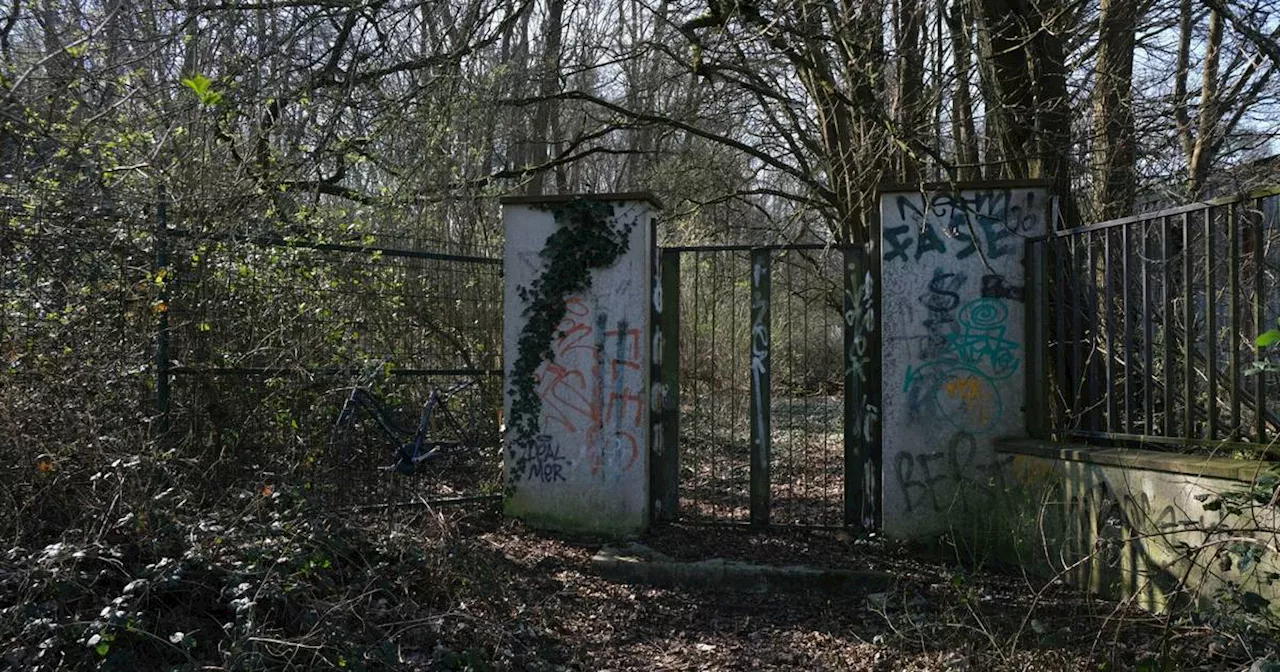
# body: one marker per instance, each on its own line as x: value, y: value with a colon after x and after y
x: 1036, y: 338
x: 827, y: 470
x: 1148, y: 338
x: 812, y: 481
x: 1127, y: 329
x: 713, y: 450
x: 853, y: 392
x: 1188, y: 330
x: 1110, y: 388
x: 1076, y: 379
x: 1211, y: 327
x: 1057, y: 250
x: 1166, y: 253
x: 666, y: 472
x: 1093, y: 366
x: 163, y: 375
x: 787, y: 320
x: 1260, y: 318
x: 761, y: 431
x: 1233, y: 317
x: 698, y: 460
x: 732, y: 371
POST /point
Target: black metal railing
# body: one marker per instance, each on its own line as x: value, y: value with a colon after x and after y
x: 1145, y: 328
x: 769, y: 385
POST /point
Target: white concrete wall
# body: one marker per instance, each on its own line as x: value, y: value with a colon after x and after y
x: 1135, y: 533
x: 590, y: 469
x: 953, y: 331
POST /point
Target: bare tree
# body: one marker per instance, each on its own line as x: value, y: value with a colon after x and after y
x: 1114, y: 154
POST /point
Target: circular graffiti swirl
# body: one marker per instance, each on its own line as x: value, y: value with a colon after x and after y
x: 958, y: 383
x: 984, y: 314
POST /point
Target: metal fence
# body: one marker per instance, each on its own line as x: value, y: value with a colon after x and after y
x: 264, y: 336
x: 769, y: 383
x: 75, y: 344
x: 230, y: 346
x: 1146, y: 328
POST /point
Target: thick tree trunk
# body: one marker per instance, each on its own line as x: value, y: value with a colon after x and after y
x: 962, y: 127
x: 1028, y: 95
x: 1183, y: 71
x: 908, y: 113
x: 1053, y: 109
x: 1113, y: 132
x: 1007, y: 28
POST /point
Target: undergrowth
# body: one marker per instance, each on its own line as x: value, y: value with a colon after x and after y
x: 268, y: 584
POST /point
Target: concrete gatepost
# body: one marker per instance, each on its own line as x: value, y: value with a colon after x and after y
x: 954, y: 350
x: 579, y: 278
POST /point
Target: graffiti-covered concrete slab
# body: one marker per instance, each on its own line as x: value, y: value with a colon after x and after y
x: 953, y: 339
x: 1138, y: 525
x: 577, y: 353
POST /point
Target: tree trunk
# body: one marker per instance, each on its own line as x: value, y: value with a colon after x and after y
x: 1028, y: 95
x: 909, y: 101
x: 1053, y: 115
x: 543, y: 128
x: 1183, y: 71
x: 1114, y: 156
x: 962, y: 127
x: 1202, y: 152
x: 1006, y: 29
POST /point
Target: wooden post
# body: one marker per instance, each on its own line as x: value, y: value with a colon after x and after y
x: 760, y: 394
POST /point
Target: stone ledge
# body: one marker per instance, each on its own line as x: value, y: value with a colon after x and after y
x: 639, y: 564
x: 1190, y: 465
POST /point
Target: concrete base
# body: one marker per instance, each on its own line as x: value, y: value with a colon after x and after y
x: 1128, y: 524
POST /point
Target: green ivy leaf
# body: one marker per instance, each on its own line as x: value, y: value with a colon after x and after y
x: 103, y: 648
x: 1268, y: 338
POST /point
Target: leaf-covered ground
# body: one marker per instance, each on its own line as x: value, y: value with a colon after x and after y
x: 275, y: 586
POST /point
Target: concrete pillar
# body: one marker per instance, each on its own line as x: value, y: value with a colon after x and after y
x: 577, y: 404
x: 953, y: 348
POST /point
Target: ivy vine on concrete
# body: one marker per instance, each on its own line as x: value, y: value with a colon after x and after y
x: 587, y: 237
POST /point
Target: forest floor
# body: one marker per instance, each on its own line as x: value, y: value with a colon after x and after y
x: 279, y: 587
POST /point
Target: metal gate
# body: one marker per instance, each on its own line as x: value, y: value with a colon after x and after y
x: 768, y: 383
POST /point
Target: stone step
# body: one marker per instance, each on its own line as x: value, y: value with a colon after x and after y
x: 637, y: 563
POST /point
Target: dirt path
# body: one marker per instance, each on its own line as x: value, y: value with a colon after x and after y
x: 275, y: 586
x: 936, y: 618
